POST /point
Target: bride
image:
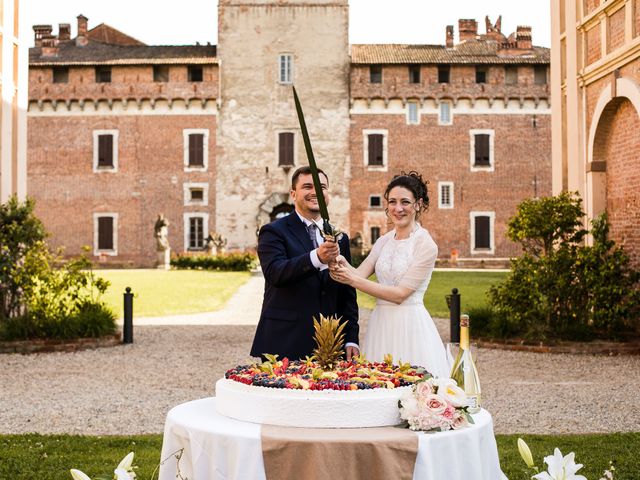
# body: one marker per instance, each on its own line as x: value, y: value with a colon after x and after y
x: 403, y: 260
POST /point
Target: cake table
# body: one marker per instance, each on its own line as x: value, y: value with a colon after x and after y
x: 215, y: 447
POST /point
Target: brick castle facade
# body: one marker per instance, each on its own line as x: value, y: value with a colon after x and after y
x: 120, y: 132
x: 596, y: 111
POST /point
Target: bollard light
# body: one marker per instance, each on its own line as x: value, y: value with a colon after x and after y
x: 127, y: 330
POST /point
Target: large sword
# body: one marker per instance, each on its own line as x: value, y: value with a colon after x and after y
x: 322, y: 204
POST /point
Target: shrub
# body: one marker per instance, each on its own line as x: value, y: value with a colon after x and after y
x: 560, y: 288
x: 230, y: 262
x: 40, y: 295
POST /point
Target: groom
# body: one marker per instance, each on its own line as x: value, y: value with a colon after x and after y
x: 294, y: 259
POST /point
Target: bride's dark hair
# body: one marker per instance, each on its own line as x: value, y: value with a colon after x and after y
x: 413, y: 182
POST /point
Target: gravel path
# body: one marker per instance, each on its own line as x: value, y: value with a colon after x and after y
x: 129, y: 389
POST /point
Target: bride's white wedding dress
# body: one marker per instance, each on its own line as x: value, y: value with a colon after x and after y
x: 406, y: 330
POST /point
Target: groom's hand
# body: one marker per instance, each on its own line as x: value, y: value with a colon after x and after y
x: 328, y: 252
x: 352, y: 352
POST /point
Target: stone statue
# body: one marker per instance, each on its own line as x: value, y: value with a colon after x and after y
x: 161, y: 232
x: 215, y: 243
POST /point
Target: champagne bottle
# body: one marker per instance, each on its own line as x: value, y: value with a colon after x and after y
x: 464, y: 370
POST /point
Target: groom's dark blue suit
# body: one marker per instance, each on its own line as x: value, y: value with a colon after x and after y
x: 295, y: 291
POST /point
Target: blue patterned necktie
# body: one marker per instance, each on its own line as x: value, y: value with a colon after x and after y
x: 311, y: 230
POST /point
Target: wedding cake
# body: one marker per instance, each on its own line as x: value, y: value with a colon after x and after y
x: 301, y: 394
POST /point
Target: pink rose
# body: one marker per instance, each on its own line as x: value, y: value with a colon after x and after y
x: 448, y: 412
x: 459, y: 421
x: 435, y: 404
x: 423, y: 389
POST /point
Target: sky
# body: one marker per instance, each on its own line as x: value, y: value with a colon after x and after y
x: 370, y: 21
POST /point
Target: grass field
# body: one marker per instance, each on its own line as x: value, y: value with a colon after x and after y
x: 49, y: 457
x: 172, y: 292
x: 175, y: 292
x: 472, y: 286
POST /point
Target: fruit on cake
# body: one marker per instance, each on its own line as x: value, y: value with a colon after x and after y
x: 322, y: 391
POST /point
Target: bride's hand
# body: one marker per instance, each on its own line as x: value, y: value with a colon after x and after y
x: 340, y: 261
x: 341, y: 271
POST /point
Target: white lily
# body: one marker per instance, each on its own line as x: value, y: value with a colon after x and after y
x: 560, y: 468
x: 122, y: 474
x: 126, y: 462
x: 525, y: 453
x: 78, y: 475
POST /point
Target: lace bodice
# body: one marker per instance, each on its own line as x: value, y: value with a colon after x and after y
x: 408, y: 262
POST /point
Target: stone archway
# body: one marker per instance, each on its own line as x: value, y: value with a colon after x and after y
x: 613, y: 171
x: 274, y: 205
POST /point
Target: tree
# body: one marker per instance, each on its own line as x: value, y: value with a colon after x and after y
x: 560, y: 288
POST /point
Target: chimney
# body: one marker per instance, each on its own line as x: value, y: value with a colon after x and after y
x: 64, y: 32
x: 523, y: 38
x: 40, y: 32
x: 467, y: 29
x: 50, y: 46
x: 449, y: 42
x: 82, y: 39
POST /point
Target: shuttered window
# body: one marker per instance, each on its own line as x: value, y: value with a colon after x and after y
x: 285, y: 68
x: 196, y: 150
x: 105, y: 151
x: 540, y: 75
x: 482, y: 232
x: 105, y: 233
x: 445, y: 195
x: 511, y: 75
x: 285, y: 149
x: 482, y: 157
x: 196, y: 232
x: 376, y: 158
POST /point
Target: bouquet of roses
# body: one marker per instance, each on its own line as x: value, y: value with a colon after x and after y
x: 435, y: 404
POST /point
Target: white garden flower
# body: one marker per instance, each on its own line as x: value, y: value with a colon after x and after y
x: 525, y: 453
x: 122, y: 474
x: 126, y: 462
x: 560, y: 468
x: 78, y: 475
x: 453, y: 394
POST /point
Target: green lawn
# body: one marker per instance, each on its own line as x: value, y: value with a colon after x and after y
x: 472, y: 287
x: 172, y: 292
x: 49, y: 457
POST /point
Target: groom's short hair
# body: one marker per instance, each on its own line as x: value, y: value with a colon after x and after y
x: 306, y: 170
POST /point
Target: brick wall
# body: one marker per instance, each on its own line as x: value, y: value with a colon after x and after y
x: 149, y: 180
x: 442, y: 153
x: 616, y: 30
x: 593, y: 44
x: 395, y: 83
x: 622, y: 149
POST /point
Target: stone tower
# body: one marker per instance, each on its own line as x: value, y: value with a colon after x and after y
x: 265, y: 47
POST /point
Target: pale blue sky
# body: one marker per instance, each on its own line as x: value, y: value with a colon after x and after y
x: 371, y: 21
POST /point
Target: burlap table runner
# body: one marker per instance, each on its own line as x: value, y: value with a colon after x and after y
x: 330, y: 454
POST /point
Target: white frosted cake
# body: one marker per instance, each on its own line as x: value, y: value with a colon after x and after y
x: 300, y: 394
x: 309, y: 408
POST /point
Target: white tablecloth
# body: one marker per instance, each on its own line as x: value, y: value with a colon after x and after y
x: 216, y: 447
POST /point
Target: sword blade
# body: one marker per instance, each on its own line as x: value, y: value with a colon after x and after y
x: 322, y: 204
